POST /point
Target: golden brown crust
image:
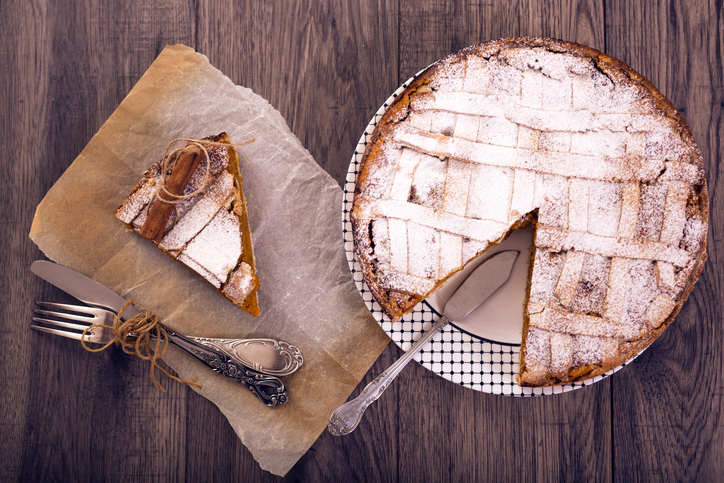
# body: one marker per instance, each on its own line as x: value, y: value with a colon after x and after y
x: 251, y: 302
x: 396, y: 304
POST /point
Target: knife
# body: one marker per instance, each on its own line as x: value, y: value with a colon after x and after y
x: 83, y: 288
x: 268, y: 356
x: 211, y: 352
x: 486, y: 279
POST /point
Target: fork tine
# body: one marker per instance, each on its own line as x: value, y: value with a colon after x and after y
x: 62, y: 333
x: 78, y: 318
x: 60, y: 323
x: 81, y: 309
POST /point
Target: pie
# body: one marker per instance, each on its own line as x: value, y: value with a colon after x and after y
x: 205, y: 225
x: 524, y: 131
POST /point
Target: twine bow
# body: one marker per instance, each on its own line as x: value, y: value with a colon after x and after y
x: 134, y: 336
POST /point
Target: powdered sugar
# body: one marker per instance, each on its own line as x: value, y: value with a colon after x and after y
x: 490, y: 194
x: 543, y: 283
x: 200, y: 215
x: 241, y: 283
x: 138, y: 200
x: 571, y: 138
x: 218, y: 246
x: 592, y: 286
x: 651, y: 211
x: 643, y: 290
x: 424, y: 251
x: 586, y: 350
x: 205, y: 230
x: 604, y: 207
x: 428, y: 183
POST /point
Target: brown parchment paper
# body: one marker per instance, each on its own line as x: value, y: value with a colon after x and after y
x: 307, y: 295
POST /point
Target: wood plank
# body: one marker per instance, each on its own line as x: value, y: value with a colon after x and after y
x: 69, y: 414
x: 326, y: 66
x: 671, y: 404
x: 432, y: 30
x: 212, y: 447
x: 20, y: 102
x: 370, y: 452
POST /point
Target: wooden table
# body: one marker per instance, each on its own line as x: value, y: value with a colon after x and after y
x: 327, y: 66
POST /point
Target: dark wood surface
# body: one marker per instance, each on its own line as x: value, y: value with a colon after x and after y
x: 327, y: 66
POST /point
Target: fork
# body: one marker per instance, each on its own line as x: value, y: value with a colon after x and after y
x: 221, y: 355
x: 267, y: 356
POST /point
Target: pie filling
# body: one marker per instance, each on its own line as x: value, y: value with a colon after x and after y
x: 521, y: 131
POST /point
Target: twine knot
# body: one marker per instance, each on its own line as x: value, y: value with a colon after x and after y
x: 169, y: 160
x: 134, y: 336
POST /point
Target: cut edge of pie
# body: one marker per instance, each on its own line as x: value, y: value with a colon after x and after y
x: 681, y: 254
x: 208, y: 232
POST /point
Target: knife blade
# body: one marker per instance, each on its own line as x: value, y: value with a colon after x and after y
x: 256, y: 363
x: 481, y: 284
x: 268, y: 356
x: 81, y: 287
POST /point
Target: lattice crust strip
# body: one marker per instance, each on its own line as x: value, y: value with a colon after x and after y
x: 590, y: 166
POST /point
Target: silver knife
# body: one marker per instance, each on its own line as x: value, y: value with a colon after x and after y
x: 221, y: 355
x: 268, y: 356
x: 486, y: 279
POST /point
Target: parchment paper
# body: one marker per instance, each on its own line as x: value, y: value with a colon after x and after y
x: 307, y: 295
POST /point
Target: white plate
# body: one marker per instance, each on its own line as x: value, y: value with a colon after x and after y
x: 500, y: 318
x: 480, y: 353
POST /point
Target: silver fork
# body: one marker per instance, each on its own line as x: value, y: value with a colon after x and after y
x: 267, y: 356
x: 221, y: 355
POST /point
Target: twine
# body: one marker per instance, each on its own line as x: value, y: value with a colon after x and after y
x: 201, y: 143
x: 134, y: 336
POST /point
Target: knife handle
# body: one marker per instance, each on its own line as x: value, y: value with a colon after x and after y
x: 269, y: 389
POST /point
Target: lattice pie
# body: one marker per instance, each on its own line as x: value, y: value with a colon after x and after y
x: 209, y: 231
x: 520, y: 131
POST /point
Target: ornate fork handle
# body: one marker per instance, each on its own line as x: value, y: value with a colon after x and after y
x: 286, y: 357
x: 346, y: 417
x: 269, y: 389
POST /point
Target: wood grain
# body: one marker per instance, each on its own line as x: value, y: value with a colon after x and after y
x: 327, y: 66
x: 544, y: 431
x: 66, y: 411
x: 332, y: 65
x: 432, y: 30
x: 672, y: 402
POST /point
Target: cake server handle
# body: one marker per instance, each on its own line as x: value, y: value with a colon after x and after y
x: 346, y: 417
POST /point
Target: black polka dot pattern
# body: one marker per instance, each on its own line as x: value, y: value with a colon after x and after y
x: 455, y: 355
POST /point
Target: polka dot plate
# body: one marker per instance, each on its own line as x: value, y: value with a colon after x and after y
x: 474, y: 360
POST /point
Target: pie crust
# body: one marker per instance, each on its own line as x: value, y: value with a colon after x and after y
x: 209, y: 231
x: 527, y: 130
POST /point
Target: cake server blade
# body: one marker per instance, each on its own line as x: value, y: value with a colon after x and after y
x: 481, y: 284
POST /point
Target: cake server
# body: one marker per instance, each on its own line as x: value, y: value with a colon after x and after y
x: 486, y: 279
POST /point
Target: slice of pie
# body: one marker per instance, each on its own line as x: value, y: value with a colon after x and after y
x: 526, y: 131
x: 206, y: 225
